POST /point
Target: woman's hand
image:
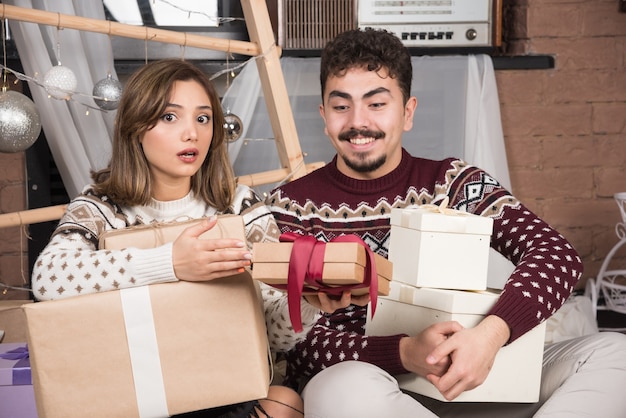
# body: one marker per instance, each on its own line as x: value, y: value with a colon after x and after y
x: 196, y: 259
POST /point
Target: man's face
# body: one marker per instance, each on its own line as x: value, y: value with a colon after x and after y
x: 365, y: 117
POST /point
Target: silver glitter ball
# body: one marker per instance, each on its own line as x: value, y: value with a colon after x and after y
x: 107, y: 93
x: 232, y: 127
x: 60, y: 82
x: 19, y: 122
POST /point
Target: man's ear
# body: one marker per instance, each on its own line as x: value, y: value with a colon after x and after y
x: 323, y: 115
x: 409, y: 112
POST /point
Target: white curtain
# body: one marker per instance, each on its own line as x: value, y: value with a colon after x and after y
x: 484, y: 141
x: 79, y: 142
x: 458, y: 114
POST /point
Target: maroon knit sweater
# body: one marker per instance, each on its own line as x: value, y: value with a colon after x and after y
x: 327, y: 204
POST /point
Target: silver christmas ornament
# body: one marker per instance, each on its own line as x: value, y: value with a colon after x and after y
x: 19, y: 122
x: 107, y: 93
x: 60, y: 82
x: 232, y: 126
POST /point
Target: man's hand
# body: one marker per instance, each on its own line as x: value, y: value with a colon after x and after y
x: 414, y: 350
x: 472, y: 352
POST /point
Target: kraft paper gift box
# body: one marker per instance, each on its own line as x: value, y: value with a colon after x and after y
x: 153, y: 235
x: 17, y: 399
x: 516, y: 372
x: 153, y: 350
x: 440, y: 248
x: 12, y: 321
x: 149, y: 351
x: 344, y: 265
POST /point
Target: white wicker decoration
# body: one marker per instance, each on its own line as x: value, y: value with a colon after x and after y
x: 612, y: 283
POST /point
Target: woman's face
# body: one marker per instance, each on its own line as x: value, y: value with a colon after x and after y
x: 178, y: 144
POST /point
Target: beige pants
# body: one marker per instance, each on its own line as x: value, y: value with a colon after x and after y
x: 582, y: 377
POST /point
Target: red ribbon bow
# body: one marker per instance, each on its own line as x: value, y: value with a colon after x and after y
x: 306, y: 265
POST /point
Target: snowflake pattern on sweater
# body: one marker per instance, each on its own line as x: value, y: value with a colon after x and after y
x: 328, y: 204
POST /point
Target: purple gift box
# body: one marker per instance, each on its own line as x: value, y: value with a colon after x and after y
x: 17, y: 398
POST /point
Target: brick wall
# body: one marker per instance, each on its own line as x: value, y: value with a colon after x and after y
x: 565, y: 128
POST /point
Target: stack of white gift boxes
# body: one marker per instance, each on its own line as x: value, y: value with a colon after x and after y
x: 440, y: 268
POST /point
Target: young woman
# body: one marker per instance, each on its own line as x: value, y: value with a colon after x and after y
x: 169, y: 162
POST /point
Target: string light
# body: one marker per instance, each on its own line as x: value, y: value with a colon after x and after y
x: 7, y: 287
x: 70, y: 94
x: 192, y: 12
x: 232, y: 70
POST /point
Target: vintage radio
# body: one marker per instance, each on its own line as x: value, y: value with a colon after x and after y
x: 310, y: 24
x: 436, y: 23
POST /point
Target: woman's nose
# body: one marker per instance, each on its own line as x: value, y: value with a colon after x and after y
x: 190, y: 133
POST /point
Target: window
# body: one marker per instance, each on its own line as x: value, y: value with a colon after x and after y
x: 215, y: 18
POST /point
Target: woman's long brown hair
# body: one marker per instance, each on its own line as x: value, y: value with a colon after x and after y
x: 127, y: 179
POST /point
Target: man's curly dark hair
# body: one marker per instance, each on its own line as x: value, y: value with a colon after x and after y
x: 369, y: 48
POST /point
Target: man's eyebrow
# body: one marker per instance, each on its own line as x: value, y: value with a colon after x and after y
x: 344, y: 95
x: 340, y: 94
x: 375, y: 92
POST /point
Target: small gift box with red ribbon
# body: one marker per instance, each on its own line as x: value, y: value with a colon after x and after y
x: 301, y: 264
x: 17, y: 398
x: 437, y: 247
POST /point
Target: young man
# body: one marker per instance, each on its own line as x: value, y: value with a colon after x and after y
x: 366, y: 79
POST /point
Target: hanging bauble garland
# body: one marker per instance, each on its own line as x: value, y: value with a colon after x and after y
x: 107, y: 93
x: 19, y: 122
x: 60, y: 82
x: 233, y: 126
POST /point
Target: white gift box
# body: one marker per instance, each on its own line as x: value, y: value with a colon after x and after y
x: 516, y: 372
x: 443, y: 249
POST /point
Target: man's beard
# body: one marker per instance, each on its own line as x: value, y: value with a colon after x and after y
x: 361, y: 163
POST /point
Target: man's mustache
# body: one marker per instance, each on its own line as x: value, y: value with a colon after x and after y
x: 366, y: 133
